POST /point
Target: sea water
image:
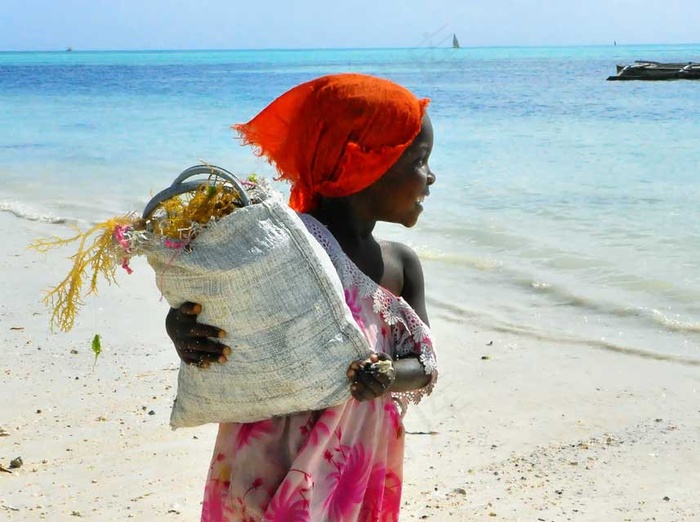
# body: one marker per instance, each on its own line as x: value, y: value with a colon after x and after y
x: 565, y: 209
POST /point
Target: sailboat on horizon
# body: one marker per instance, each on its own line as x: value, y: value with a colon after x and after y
x: 455, y: 42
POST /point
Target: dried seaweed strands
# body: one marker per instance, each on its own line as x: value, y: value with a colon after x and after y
x: 98, y: 258
x: 175, y: 223
x: 177, y: 217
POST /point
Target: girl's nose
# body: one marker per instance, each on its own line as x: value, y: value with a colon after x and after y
x: 431, y: 177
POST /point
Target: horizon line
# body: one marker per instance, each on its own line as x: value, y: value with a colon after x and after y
x: 268, y: 49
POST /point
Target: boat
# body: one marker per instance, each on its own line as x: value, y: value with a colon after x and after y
x: 651, y: 71
x: 455, y: 42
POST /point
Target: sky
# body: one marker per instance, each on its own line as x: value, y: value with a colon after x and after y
x: 303, y: 24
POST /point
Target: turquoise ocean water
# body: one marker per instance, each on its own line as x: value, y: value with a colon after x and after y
x: 566, y: 207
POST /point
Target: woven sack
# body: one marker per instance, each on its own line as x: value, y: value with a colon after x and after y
x: 263, y: 278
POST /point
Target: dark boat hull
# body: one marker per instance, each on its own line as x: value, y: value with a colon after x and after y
x: 657, y: 71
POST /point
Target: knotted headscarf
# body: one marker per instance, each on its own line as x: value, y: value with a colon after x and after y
x: 336, y: 135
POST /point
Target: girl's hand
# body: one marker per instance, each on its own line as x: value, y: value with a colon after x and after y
x: 371, y: 378
x: 192, y: 340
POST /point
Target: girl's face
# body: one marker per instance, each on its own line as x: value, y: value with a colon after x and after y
x: 397, y: 197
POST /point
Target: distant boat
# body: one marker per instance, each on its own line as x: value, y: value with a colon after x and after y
x: 69, y: 49
x: 455, y: 42
x: 647, y: 70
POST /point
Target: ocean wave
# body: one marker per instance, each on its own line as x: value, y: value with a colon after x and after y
x: 676, y: 325
x: 22, y: 146
x: 601, y: 307
x: 601, y: 344
x: 23, y: 211
x: 587, y: 299
x: 450, y: 258
x: 458, y: 314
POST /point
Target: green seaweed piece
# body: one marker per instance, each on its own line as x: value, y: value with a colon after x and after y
x: 96, y: 347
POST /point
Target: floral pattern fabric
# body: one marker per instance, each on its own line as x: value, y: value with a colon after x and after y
x: 341, y: 464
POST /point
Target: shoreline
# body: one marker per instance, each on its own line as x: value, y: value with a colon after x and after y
x: 516, y: 429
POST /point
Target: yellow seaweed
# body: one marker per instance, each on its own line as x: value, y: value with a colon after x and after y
x: 179, y: 218
x: 66, y: 297
x: 208, y: 202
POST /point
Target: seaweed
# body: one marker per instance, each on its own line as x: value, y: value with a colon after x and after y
x: 110, y: 244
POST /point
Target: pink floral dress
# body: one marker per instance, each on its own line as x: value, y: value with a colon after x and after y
x: 334, y: 465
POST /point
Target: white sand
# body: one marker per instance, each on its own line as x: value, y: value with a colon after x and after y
x: 532, y: 432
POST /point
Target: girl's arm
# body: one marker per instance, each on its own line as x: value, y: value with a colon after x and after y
x: 409, y: 373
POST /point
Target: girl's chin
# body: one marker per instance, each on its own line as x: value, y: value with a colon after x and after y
x: 412, y: 220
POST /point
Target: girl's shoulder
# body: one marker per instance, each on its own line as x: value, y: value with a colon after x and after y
x: 403, y: 266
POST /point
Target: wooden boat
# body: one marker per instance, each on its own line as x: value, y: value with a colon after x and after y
x: 650, y: 71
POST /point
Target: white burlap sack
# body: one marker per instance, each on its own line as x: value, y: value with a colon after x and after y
x: 261, y: 276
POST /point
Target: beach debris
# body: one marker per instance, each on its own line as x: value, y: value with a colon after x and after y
x: 485, y: 357
x: 4, y: 469
x: 16, y: 327
x: 96, y: 347
x: 76, y: 514
x: 3, y: 433
x: 141, y: 497
x: 490, y: 343
x: 16, y: 463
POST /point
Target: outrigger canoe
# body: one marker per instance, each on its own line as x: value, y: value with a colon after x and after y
x: 647, y: 70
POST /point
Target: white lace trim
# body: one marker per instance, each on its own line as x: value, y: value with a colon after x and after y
x: 411, y: 335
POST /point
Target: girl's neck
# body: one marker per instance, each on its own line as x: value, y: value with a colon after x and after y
x: 353, y: 233
x: 344, y: 222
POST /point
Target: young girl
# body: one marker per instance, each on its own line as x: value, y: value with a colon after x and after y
x: 355, y: 149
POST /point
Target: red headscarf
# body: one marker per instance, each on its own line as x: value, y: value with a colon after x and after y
x: 335, y: 135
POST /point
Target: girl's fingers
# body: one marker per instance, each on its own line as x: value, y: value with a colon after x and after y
x: 203, y: 330
x: 360, y: 393
x: 204, y: 345
x: 203, y: 360
x: 353, y: 368
x: 190, y: 308
x: 369, y: 383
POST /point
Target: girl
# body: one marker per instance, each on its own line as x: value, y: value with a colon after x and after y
x: 355, y: 149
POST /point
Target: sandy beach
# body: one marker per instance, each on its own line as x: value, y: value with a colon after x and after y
x: 517, y: 429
